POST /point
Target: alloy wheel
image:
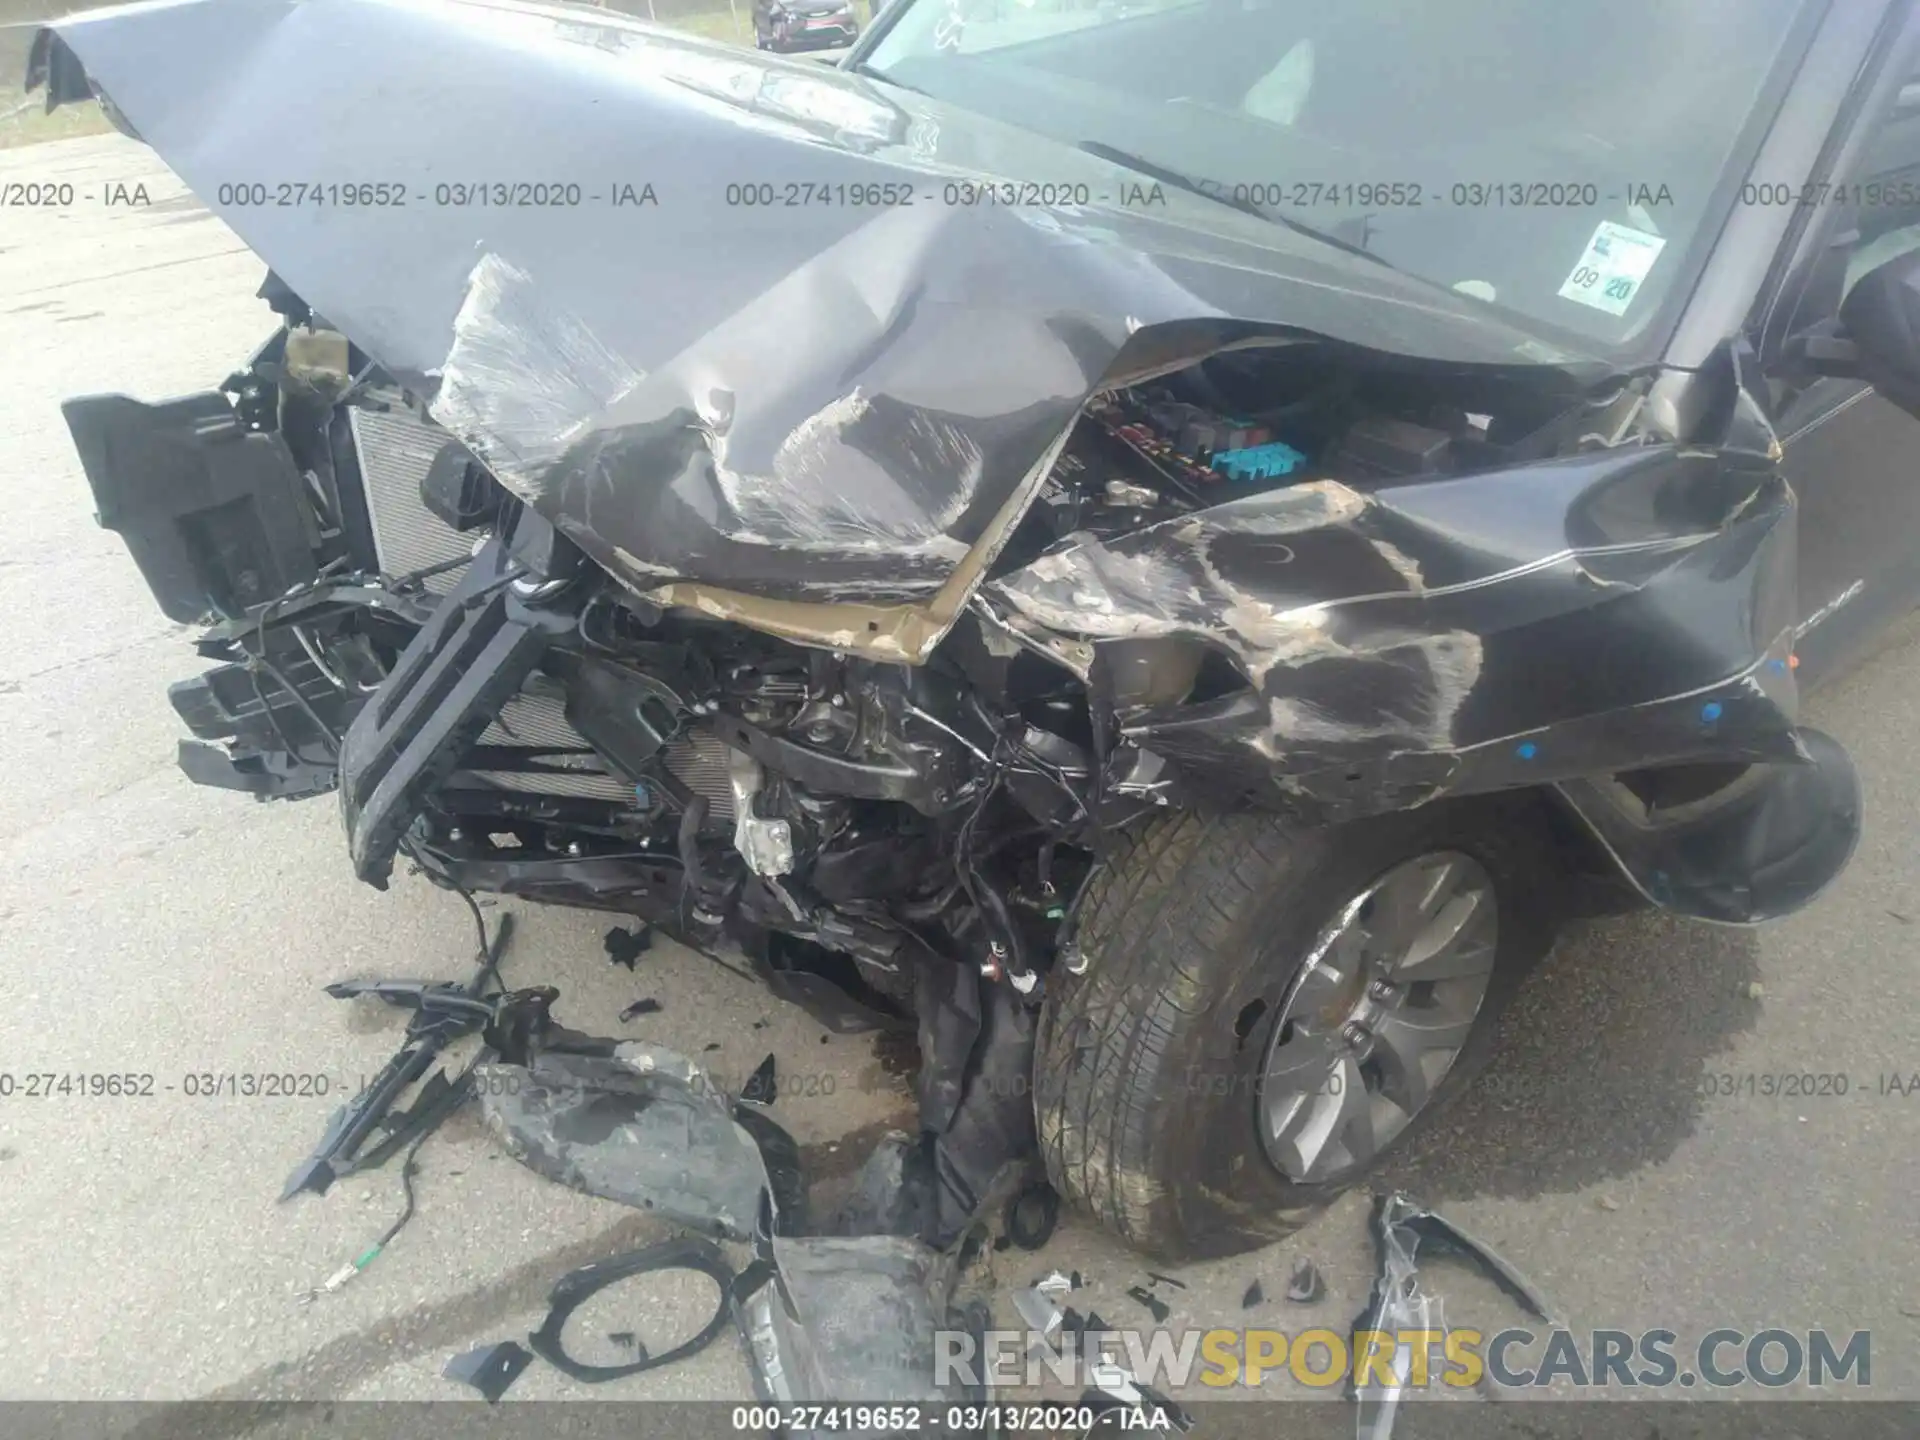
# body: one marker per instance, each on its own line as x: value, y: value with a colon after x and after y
x: 1377, y: 1016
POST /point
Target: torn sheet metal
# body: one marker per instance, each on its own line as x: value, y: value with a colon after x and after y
x: 575, y: 325
x: 1402, y: 1232
x: 1578, y: 616
x: 643, y: 1126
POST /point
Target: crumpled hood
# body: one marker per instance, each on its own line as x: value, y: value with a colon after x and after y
x: 715, y: 314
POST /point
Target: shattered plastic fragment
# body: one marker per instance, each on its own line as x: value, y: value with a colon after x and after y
x: 1396, y: 1306
x: 648, y: 1006
x: 1306, y: 1284
x: 1255, y: 1295
x: 443, y: 1011
x: 490, y: 1369
x: 625, y: 947
x: 1037, y: 1310
x: 643, y: 1126
x: 1398, y: 1303
x: 762, y: 1087
x: 1159, y: 1308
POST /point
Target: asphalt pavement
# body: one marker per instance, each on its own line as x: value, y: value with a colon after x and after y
x: 152, y: 928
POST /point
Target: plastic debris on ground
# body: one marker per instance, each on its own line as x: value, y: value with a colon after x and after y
x: 638, y: 1124
x: 1306, y: 1285
x: 490, y: 1369
x: 1037, y: 1311
x: 763, y: 1086
x: 576, y: 1288
x: 826, y: 1318
x: 625, y: 947
x: 848, y: 1320
x: 367, y: 1131
x: 1159, y: 1308
x: 1398, y: 1303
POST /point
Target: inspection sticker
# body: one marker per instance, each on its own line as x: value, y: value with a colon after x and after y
x: 1608, y: 276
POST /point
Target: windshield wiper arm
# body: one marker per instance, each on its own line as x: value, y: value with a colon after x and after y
x: 1233, y: 202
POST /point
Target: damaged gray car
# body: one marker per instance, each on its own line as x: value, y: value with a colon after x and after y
x: 1163, y: 550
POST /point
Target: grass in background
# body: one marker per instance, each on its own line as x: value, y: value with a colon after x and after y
x: 31, y: 125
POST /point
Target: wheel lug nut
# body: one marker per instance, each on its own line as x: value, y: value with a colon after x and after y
x: 1380, y: 990
x: 1354, y: 1033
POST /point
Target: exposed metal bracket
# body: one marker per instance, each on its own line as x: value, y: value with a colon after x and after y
x: 766, y: 845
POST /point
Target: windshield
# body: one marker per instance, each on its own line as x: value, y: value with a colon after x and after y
x: 1557, y: 163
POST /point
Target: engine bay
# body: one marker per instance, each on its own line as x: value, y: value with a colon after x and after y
x: 1249, y: 422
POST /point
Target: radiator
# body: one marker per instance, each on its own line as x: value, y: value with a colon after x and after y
x: 699, y: 761
x: 395, y: 449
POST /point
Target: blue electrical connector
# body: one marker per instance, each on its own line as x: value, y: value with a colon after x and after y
x: 1258, y: 462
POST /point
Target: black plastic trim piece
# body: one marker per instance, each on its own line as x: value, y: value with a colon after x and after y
x: 573, y: 1290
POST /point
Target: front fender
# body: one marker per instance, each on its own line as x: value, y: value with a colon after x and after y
x: 1547, y: 625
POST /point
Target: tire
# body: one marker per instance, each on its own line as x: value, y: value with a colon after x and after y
x: 1149, y: 1065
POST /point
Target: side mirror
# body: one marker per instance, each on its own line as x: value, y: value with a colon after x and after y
x: 1881, y: 316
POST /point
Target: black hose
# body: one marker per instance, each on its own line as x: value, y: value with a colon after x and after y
x: 927, y: 909
x: 692, y: 878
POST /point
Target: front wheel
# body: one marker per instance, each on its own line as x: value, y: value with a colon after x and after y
x: 1265, y: 1015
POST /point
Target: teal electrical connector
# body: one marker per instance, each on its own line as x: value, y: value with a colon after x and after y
x: 1258, y: 462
